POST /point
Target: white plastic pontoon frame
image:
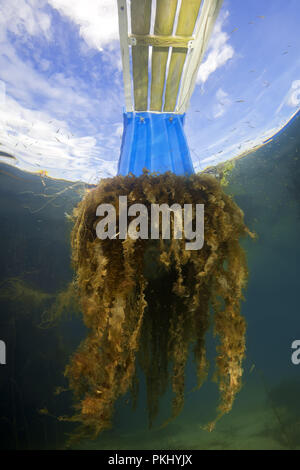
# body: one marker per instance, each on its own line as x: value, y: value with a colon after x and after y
x: 123, y: 31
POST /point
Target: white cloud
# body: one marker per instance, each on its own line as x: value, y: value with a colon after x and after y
x: 50, y: 121
x: 46, y: 138
x: 24, y: 83
x: 24, y: 16
x: 293, y: 98
x: 119, y: 130
x: 41, y: 142
x: 39, y: 116
x: 219, y: 52
x: 44, y: 64
x: 223, y: 102
x: 2, y: 94
x: 97, y: 19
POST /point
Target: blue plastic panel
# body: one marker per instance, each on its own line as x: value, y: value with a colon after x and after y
x: 155, y: 141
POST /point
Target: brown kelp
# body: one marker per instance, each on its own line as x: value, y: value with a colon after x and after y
x: 117, y: 280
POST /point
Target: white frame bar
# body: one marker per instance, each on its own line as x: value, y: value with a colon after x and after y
x: 125, y: 53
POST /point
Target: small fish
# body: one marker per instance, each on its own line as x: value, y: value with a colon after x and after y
x: 240, y: 101
x: 234, y: 30
x: 252, y: 368
x: 249, y: 124
x: 7, y: 155
x: 261, y: 16
x: 285, y: 52
x: 43, y: 411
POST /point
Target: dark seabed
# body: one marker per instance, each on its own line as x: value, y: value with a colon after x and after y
x: 42, y: 328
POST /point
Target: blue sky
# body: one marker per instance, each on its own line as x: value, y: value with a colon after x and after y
x: 61, y: 90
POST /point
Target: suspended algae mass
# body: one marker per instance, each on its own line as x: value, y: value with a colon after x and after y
x: 150, y: 300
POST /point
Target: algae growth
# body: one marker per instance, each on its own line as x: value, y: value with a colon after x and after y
x: 117, y: 289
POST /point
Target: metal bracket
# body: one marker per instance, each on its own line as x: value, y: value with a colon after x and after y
x: 131, y: 41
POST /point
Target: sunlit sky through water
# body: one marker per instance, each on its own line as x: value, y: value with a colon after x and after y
x: 61, y: 89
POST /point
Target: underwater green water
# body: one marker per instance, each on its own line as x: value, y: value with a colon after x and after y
x: 35, y: 267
